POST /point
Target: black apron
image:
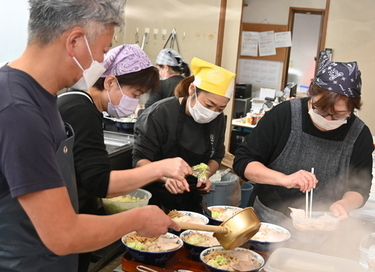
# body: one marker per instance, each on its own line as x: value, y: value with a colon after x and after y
x: 331, y: 160
x: 188, y: 201
x: 24, y: 251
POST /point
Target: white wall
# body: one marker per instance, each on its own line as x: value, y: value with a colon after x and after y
x: 13, y: 28
x: 195, y: 21
x: 275, y: 12
x: 351, y: 35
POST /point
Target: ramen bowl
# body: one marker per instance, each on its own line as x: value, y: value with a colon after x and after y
x: 196, y: 241
x: 269, y: 237
x: 146, y: 256
x: 255, y: 261
x: 187, y: 216
x: 216, y: 218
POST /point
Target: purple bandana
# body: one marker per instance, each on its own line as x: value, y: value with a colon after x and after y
x: 125, y: 59
x: 340, y: 77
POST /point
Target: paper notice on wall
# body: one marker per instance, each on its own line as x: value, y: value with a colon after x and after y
x: 260, y: 72
x: 283, y: 39
x: 267, y: 43
x: 249, y: 46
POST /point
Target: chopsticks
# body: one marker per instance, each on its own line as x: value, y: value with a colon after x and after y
x: 309, y: 197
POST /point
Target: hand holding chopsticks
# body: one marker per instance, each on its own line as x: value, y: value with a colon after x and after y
x: 309, y: 197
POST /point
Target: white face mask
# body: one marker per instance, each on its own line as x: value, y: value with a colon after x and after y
x: 91, y: 74
x: 324, y: 123
x: 126, y: 106
x: 200, y: 113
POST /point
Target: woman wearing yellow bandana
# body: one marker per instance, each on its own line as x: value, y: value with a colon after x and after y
x: 191, y: 126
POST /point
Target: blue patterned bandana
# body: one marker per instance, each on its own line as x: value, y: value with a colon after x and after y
x: 340, y: 77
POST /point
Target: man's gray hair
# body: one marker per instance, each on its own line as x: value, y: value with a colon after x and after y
x: 51, y: 18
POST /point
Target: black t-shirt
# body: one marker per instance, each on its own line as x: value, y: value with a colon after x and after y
x: 31, y: 133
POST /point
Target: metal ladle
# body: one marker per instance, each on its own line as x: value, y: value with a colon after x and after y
x: 234, y: 231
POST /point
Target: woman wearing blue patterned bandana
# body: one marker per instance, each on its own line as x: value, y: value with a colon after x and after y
x: 319, y: 132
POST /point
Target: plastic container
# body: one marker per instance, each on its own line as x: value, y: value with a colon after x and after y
x: 111, y: 207
x: 286, y: 259
x: 367, y: 249
x: 371, y: 264
x: 227, y: 191
x: 317, y: 222
x: 246, y: 190
x: 248, y: 118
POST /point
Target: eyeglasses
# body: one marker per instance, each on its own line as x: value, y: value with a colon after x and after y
x: 325, y: 114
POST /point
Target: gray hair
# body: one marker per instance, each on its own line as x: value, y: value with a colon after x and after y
x: 50, y: 18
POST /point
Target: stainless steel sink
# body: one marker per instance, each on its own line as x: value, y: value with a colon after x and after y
x: 116, y: 141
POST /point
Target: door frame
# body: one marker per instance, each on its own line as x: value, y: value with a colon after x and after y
x: 322, y: 35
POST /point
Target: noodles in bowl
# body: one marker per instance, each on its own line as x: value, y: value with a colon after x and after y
x: 218, y: 259
x: 153, y: 251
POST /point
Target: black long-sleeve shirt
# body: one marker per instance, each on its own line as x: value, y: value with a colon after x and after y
x: 90, y: 154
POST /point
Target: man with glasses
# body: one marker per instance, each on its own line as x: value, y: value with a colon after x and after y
x: 318, y: 132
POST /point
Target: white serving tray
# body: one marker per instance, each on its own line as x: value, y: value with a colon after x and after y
x: 292, y: 260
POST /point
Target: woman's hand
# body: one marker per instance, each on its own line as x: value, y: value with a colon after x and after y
x: 174, y: 171
x: 351, y: 200
x: 338, y: 210
x: 175, y: 186
x: 303, y: 180
x: 207, y: 185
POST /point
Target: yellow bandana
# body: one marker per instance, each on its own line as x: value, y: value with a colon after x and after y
x: 212, y: 78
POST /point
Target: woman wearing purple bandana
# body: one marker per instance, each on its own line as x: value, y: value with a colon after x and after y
x: 129, y: 73
x: 319, y: 132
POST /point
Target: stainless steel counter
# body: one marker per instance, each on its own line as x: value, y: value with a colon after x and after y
x: 119, y: 147
x: 116, y: 141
